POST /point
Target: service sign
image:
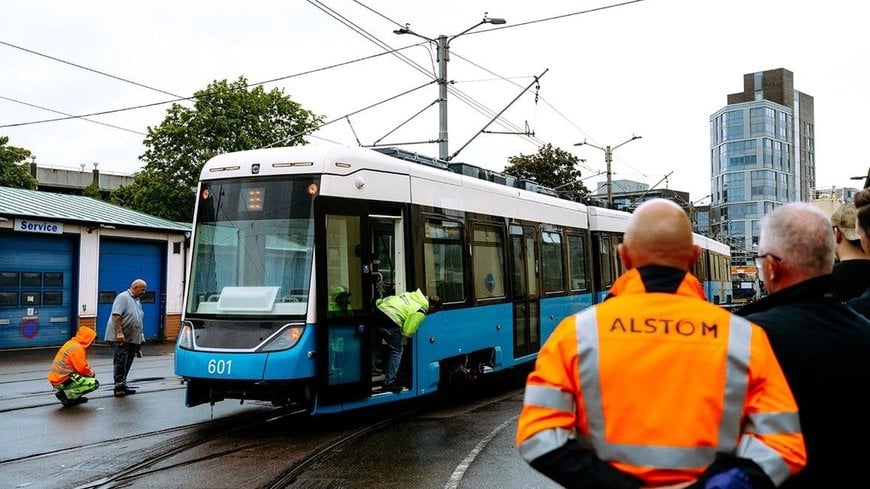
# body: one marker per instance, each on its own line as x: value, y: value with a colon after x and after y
x: 33, y: 226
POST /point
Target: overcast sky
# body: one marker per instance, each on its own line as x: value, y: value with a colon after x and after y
x: 654, y: 68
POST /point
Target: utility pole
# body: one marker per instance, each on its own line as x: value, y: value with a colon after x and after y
x: 608, y: 158
x: 442, y: 44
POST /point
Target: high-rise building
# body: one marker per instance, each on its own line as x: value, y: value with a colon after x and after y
x: 762, y: 155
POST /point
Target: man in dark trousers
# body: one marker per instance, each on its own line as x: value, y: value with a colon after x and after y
x: 125, y: 331
x: 821, y: 343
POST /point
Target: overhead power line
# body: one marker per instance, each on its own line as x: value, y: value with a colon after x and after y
x: 72, y: 116
x: 181, y: 99
x: 88, y: 69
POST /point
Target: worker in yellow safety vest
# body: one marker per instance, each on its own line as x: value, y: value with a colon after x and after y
x: 656, y: 387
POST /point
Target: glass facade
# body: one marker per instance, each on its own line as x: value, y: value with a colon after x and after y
x: 752, y: 169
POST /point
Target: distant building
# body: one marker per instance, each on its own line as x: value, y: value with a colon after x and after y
x: 829, y: 199
x: 621, y: 186
x: 762, y: 156
x: 73, y: 182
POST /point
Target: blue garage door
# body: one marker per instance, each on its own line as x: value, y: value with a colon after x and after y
x: 37, y: 294
x: 121, y: 262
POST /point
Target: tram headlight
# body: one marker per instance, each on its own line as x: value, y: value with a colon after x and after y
x: 185, y: 336
x: 285, y: 339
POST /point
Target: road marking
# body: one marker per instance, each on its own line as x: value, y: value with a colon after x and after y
x: 459, y: 472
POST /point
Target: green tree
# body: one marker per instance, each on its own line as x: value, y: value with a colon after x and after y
x: 13, y: 171
x: 550, y: 167
x: 93, y: 191
x: 225, y: 117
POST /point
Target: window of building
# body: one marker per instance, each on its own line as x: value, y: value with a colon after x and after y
x: 782, y: 126
x: 734, y: 187
x: 741, y: 211
x: 763, y: 184
x: 762, y: 121
x: 733, y: 124
x: 783, y: 192
x: 738, y: 155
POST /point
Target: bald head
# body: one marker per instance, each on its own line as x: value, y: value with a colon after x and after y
x: 658, y: 233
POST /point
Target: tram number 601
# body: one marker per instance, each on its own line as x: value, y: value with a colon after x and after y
x: 220, y: 367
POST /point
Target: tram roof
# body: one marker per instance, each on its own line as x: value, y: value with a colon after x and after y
x: 76, y: 209
x: 432, y: 181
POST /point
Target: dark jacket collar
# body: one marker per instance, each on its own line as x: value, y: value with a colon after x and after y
x: 817, y: 289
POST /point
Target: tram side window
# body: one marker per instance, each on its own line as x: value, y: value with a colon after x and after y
x: 701, y: 266
x: 606, y: 261
x: 488, y: 262
x: 343, y: 261
x: 551, y: 262
x: 577, y: 262
x: 444, y: 271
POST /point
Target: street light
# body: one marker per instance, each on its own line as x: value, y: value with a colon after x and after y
x: 608, y: 157
x: 443, y: 54
x: 866, y: 180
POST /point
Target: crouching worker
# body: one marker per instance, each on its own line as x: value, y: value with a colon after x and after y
x: 70, y: 373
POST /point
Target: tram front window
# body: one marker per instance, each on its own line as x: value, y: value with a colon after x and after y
x: 252, y: 248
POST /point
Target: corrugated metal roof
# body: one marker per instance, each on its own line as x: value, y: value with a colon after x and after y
x: 77, y: 209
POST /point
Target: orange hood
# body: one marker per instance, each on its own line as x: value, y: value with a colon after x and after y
x: 85, y: 336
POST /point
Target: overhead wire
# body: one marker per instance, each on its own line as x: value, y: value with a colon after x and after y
x: 53, y: 58
x: 468, y: 100
x: 64, y: 113
x: 181, y: 99
x: 465, y: 98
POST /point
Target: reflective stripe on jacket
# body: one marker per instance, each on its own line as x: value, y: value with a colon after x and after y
x: 659, y: 381
x: 71, y: 357
x: 407, y: 310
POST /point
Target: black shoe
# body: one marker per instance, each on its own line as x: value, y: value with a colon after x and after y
x: 80, y: 400
x: 394, y: 388
x: 124, y: 392
x: 61, y: 396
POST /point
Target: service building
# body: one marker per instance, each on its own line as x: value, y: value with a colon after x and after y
x: 64, y: 258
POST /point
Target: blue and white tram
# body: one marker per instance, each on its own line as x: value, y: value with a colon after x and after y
x: 713, y: 269
x: 607, y: 227
x: 277, y: 229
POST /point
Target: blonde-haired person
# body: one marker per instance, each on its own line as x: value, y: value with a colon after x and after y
x: 852, y: 269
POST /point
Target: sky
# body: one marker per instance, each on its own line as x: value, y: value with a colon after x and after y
x: 607, y: 70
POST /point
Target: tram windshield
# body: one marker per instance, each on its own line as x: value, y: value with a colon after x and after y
x: 253, y: 247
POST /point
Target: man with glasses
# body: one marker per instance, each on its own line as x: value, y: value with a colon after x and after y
x: 822, y: 344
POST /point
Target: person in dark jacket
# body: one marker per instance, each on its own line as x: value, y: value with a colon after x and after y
x: 822, y: 344
x: 862, y: 226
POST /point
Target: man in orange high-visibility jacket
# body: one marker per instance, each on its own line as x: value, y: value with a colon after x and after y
x: 657, y: 387
x: 71, y: 375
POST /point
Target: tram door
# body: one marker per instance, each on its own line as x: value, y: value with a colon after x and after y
x: 356, y: 260
x: 526, y: 291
